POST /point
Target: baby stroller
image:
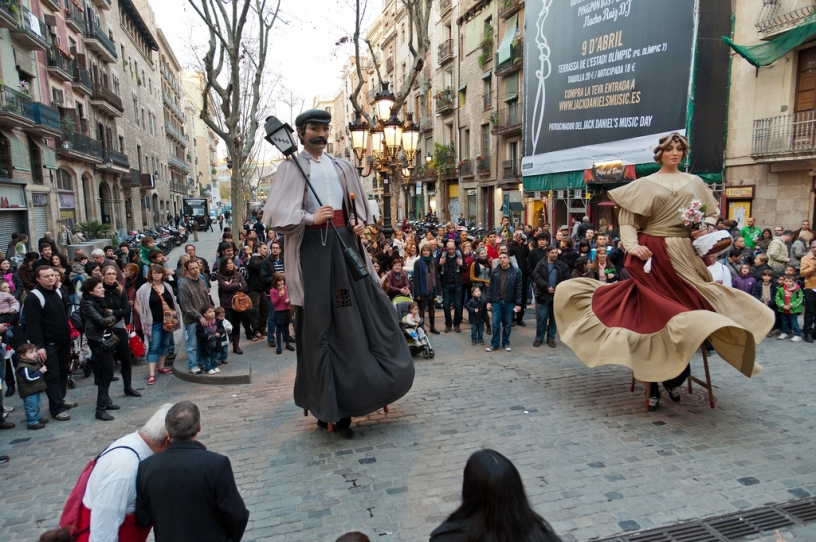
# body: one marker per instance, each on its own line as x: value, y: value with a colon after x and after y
x: 416, y: 344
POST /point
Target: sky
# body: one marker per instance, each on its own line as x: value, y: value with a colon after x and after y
x: 302, y: 43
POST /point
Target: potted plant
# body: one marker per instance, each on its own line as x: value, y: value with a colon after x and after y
x: 494, y: 120
x: 94, y: 229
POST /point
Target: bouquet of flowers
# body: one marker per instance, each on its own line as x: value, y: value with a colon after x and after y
x: 711, y: 244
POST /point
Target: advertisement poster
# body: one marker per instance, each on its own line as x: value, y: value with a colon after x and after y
x: 604, y: 79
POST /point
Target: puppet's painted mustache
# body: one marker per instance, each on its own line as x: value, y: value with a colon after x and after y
x: 318, y: 140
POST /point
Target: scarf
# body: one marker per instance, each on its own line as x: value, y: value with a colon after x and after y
x: 8, y: 278
x: 427, y: 278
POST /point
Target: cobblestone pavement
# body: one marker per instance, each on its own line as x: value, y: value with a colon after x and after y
x: 594, y: 462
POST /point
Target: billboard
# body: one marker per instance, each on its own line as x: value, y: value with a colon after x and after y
x: 603, y: 79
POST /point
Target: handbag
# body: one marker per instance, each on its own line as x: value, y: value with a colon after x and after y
x: 241, y: 302
x: 170, y: 322
x: 109, y: 341
x: 137, y: 347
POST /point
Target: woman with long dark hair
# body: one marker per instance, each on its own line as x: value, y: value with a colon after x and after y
x: 117, y: 301
x: 494, y: 506
x: 98, y: 321
x: 151, y: 299
x: 426, y: 285
x: 231, y: 281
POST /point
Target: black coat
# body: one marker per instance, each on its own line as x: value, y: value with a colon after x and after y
x: 512, y: 286
x: 189, y: 494
x: 541, y: 279
x: 454, y: 530
x: 568, y: 256
x: 95, y: 317
x: 521, y: 251
x: 117, y: 302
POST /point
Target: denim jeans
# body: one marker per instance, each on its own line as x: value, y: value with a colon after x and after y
x: 192, y: 346
x: 790, y: 321
x: 477, y: 332
x: 161, y: 342
x: 209, y: 362
x: 452, y: 295
x: 502, y: 320
x: 32, y: 408
x: 544, y: 312
x: 224, y: 351
x: 270, y: 326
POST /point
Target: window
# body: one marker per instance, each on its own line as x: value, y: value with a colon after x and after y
x: 57, y: 97
x: 485, y: 140
x: 464, y: 144
x: 121, y: 144
x: 139, y: 155
x: 511, y: 88
x: 143, y: 119
x: 36, y: 162
x: 462, y: 97
x: 136, y: 111
x: 64, y: 180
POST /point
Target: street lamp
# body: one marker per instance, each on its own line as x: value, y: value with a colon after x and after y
x: 358, y: 130
x: 392, y: 131
x: 428, y: 158
x: 384, y: 101
x: 410, y: 139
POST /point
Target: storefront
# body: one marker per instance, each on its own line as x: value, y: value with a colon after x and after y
x: 738, y: 202
x: 453, y: 201
x: 13, y: 212
x: 67, y: 209
x: 39, y: 201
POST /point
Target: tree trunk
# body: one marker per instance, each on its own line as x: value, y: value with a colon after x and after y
x: 237, y: 196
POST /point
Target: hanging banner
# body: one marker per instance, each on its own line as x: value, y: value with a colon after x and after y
x: 609, y: 81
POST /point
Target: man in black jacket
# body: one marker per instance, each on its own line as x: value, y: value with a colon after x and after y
x: 451, y: 267
x: 46, y: 325
x: 503, y: 299
x: 272, y: 264
x: 518, y: 248
x: 259, y: 313
x: 188, y: 493
x: 547, y: 275
x: 45, y: 256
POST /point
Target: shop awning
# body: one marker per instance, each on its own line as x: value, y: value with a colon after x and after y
x: 510, y: 31
x: 554, y: 181
x: 19, y: 151
x: 765, y: 54
x: 49, y: 157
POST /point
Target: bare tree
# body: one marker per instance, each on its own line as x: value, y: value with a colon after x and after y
x: 233, y: 68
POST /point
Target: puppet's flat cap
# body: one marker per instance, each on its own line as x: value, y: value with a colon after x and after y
x: 313, y: 115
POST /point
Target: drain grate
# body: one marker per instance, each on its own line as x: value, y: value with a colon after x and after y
x: 731, y: 527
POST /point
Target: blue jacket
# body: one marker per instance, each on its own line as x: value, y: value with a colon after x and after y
x: 512, y: 288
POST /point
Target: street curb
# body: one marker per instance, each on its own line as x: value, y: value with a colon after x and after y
x: 220, y: 379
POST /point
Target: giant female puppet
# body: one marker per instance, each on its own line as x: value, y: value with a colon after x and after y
x: 351, y: 357
x: 655, y: 322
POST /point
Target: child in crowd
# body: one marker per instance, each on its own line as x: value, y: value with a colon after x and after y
x: 476, y: 311
x: 9, y: 306
x: 745, y: 281
x: 765, y: 291
x: 221, y: 316
x: 30, y: 382
x: 209, y: 342
x: 279, y: 298
x: 414, y: 321
x: 789, y: 303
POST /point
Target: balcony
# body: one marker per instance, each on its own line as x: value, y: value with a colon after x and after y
x: 175, y: 134
x: 423, y: 174
x: 785, y: 137
x: 74, y: 17
x: 483, y: 166
x: 106, y: 100
x: 389, y: 65
x: 15, y: 109
x: 173, y: 107
x: 445, y: 51
x: 147, y: 181
x: 508, y: 8
x: 370, y: 95
x: 98, y: 41
x: 78, y: 147
x: 46, y: 120
x: 445, y: 157
x: 426, y: 124
x: 512, y: 64
x: 103, y: 5
x: 178, y: 164
x: 778, y: 16
x: 31, y: 31
x: 53, y: 4
x: 444, y: 101
x: 506, y: 121
x: 59, y: 65
x: 466, y: 168
x: 510, y: 170
x: 8, y: 14
x: 114, y: 162
x: 178, y: 186
x: 134, y: 179
x: 82, y: 81
x: 444, y: 6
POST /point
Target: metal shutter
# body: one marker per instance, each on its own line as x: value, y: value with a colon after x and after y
x: 40, y: 224
x: 11, y: 222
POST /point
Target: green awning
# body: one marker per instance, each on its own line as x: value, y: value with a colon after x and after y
x: 765, y: 54
x: 19, y: 151
x: 49, y: 157
x: 510, y: 31
x: 554, y: 181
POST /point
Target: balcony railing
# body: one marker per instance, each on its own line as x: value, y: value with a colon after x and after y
x: 134, y: 179
x: 82, y: 79
x: 508, y: 8
x: 169, y: 101
x: 487, y: 101
x: 72, y: 141
x: 389, y: 65
x: 53, y: 4
x: 57, y: 59
x: 45, y: 115
x: 9, y: 9
x: 179, y: 163
x: 510, y: 169
x: 92, y: 30
x: 33, y: 27
x: 101, y: 92
x: 785, y: 135
x: 445, y: 51
x: 507, y: 119
x: 466, y: 168
x: 483, y: 165
x: 444, y: 101
x: 117, y: 158
x: 778, y: 15
x: 15, y: 102
x: 175, y: 133
x: 513, y: 63
x: 74, y: 16
x: 147, y: 181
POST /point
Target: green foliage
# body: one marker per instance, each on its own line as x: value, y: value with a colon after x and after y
x: 94, y: 229
x: 445, y: 159
x: 483, y: 59
x: 67, y: 124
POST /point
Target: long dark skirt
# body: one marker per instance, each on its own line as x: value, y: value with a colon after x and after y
x: 351, y: 357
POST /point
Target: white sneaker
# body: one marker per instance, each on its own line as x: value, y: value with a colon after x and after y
x: 211, y: 372
x: 507, y: 348
x: 8, y: 408
x: 217, y: 370
x: 796, y: 339
x: 195, y: 370
x: 489, y: 349
x: 783, y: 336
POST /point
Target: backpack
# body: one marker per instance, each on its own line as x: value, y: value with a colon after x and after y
x: 72, y: 512
x: 38, y: 294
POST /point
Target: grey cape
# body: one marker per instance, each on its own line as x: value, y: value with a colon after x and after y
x: 351, y: 357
